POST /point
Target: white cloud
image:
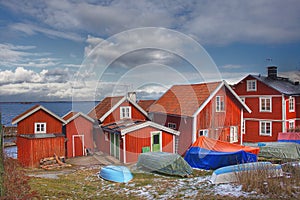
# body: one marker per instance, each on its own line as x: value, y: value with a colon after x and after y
x: 211, y: 22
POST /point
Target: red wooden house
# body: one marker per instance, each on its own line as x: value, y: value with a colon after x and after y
x: 39, y: 135
x: 79, y: 133
x: 274, y: 102
x: 209, y: 109
x: 124, y: 130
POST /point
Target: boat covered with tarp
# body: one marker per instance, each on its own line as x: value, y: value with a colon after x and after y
x: 279, y: 150
x: 221, y: 146
x: 164, y: 163
x: 232, y: 173
x: 120, y: 174
x: 207, y: 153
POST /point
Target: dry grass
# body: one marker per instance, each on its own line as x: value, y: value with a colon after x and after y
x: 267, y: 182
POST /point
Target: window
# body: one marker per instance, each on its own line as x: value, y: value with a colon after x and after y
x: 203, y: 132
x: 220, y: 105
x: 172, y: 125
x: 251, y: 85
x: 292, y: 104
x: 265, y: 128
x: 291, y: 124
x: 125, y: 112
x: 40, y: 127
x: 233, y: 134
x: 265, y: 104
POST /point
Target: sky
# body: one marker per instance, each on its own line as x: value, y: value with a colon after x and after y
x: 86, y: 50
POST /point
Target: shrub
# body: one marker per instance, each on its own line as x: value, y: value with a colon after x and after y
x: 15, y: 181
x: 268, y: 182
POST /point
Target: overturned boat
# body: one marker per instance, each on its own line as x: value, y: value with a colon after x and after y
x: 120, y: 174
x: 165, y: 163
x: 232, y: 173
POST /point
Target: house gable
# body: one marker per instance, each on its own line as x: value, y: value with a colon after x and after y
x: 109, y: 109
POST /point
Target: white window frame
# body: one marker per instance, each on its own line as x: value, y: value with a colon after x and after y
x: 172, y: 125
x: 220, y: 103
x: 292, y: 104
x: 261, y: 99
x: 234, y: 134
x: 125, y: 112
x: 251, y: 85
x: 263, y: 130
x: 38, y: 126
x: 291, y: 124
x: 204, y: 132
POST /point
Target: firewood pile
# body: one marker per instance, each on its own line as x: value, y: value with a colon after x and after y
x: 54, y: 162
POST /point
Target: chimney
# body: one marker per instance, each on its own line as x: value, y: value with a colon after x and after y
x: 272, y: 72
x: 132, y: 96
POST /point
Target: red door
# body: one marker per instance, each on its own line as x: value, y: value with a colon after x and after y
x: 78, y: 145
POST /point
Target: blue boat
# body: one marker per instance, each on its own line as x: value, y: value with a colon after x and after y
x: 120, y: 174
x: 230, y: 173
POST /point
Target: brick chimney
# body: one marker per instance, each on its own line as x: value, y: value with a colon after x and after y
x: 272, y: 72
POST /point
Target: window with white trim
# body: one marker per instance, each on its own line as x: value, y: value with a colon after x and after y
x: 265, y: 104
x: 292, y: 104
x: 291, y: 124
x: 203, y: 132
x: 265, y: 128
x: 125, y: 112
x: 251, y: 85
x: 171, y: 125
x: 220, y: 104
x: 40, y: 127
x: 233, y: 134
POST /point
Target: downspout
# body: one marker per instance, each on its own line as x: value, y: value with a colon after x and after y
x: 194, y: 128
x: 124, y: 148
x: 283, y: 114
x: 242, y: 120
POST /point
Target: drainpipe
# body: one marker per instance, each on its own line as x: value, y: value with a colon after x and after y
x: 194, y: 128
x: 283, y: 114
x: 242, y: 119
x: 124, y: 148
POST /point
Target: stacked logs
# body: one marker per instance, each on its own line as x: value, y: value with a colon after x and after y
x: 53, y: 162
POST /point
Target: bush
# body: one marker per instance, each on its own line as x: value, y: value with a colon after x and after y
x: 267, y: 182
x: 15, y: 181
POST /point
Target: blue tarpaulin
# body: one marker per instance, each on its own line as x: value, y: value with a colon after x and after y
x: 206, y: 159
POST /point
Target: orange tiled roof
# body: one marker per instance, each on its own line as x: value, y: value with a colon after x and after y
x: 145, y: 104
x: 24, y: 113
x: 184, y: 100
x: 104, y: 106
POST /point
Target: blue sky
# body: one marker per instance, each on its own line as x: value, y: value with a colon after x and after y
x: 44, y: 45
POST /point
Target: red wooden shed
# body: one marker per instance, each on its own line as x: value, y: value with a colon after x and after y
x: 39, y: 135
x: 79, y: 134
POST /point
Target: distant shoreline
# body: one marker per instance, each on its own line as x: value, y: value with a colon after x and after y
x: 34, y: 102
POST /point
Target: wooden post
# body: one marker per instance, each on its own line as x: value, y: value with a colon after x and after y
x: 1, y: 159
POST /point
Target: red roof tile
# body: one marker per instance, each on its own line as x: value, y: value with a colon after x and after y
x: 145, y: 104
x: 104, y: 106
x: 184, y: 100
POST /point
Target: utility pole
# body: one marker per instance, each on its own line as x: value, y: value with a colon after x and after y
x: 1, y: 159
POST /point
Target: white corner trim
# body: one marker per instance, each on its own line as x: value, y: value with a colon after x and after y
x: 77, y: 115
x: 35, y: 110
x: 208, y: 99
x: 149, y: 123
x: 112, y: 109
x: 237, y: 97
